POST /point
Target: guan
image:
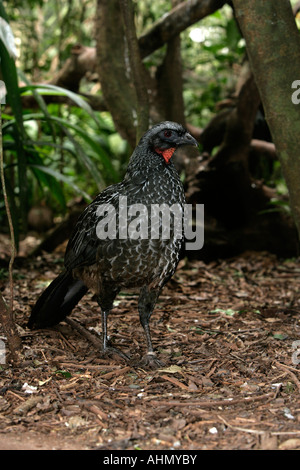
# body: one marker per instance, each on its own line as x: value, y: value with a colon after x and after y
x: 113, y: 249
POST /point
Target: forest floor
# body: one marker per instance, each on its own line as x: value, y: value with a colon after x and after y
x: 226, y: 331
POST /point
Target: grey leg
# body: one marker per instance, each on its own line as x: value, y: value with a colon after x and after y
x: 146, y: 304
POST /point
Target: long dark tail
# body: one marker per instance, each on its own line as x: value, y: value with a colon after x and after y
x: 57, y: 301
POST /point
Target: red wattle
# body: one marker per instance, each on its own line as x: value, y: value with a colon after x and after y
x: 167, y: 154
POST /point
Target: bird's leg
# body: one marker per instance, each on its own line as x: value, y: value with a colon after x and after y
x: 104, y: 315
x: 147, y: 301
x: 106, y: 349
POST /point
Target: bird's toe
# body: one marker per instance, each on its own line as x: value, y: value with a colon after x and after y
x: 115, y: 353
x: 150, y: 361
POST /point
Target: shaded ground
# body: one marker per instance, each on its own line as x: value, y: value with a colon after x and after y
x: 226, y: 333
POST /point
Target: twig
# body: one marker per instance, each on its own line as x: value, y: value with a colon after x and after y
x: 27, y: 405
x: 289, y: 372
x: 10, y: 392
x: 257, y: 431
x: 115, y: 373
x: 238, y: 428
x: 11, y: 227
x: 212, y: 403
x: 175, y: 382
x: 84, y: 332
x: 96, y: 410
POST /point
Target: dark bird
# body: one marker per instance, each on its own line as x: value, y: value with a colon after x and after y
x: 121, y: 240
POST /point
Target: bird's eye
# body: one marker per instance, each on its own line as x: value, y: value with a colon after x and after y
x: 168, y: 134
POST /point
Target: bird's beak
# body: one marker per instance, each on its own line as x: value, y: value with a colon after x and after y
x: 188, y: 139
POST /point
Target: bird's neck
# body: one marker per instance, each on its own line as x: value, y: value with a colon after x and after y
x: 148, y: 164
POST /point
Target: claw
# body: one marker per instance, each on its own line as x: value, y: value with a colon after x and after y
x: 112, y: 352
x: 150, y: 361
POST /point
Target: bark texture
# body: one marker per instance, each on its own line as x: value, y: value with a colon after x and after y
x: 273, y: 46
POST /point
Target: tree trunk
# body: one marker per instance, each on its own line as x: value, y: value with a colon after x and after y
x: 237, y: 210
x: 138, y: 71
x: 123, y: 90
x: 273, y: 46
x: 113, y: 70
x: 170, y: 80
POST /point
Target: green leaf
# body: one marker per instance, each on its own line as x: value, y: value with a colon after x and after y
x: 228, y: 312
x: 59, y: 91
x: 64, y: 373
x: 39, y: 99
x: 89, y: 164
x: 81, y: 154
x: 281, y: 336
x: 59, y: 177
x: 7, y: 37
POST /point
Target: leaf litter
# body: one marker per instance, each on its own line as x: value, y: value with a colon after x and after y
x: 226, y: 331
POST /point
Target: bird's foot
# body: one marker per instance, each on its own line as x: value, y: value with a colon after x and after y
x: 112, y: 352
x: 150, y: 361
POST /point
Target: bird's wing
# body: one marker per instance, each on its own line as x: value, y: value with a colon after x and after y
x: 85, y: 243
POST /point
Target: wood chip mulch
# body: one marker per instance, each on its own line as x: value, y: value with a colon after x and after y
x: 228, y: 333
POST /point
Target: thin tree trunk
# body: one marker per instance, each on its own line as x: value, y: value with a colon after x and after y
x: 170, y: 81
x: 6, y: 313
x: 273, y: 46
x: 137, y: 69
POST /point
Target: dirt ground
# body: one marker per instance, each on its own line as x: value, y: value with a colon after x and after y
x: 226, y: 332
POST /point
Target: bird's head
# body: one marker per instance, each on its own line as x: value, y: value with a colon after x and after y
x: 164, y: 138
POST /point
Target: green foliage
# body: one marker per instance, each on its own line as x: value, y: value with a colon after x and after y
x: 63, y: 373
x: 54, y: 152
x: 47, y: 31
x: 53, y: 147
x: 214, y: 51
x: 211, y: 49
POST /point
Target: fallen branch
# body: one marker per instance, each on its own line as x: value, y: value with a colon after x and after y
x: 212, y: 403
x: 84, y: 332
